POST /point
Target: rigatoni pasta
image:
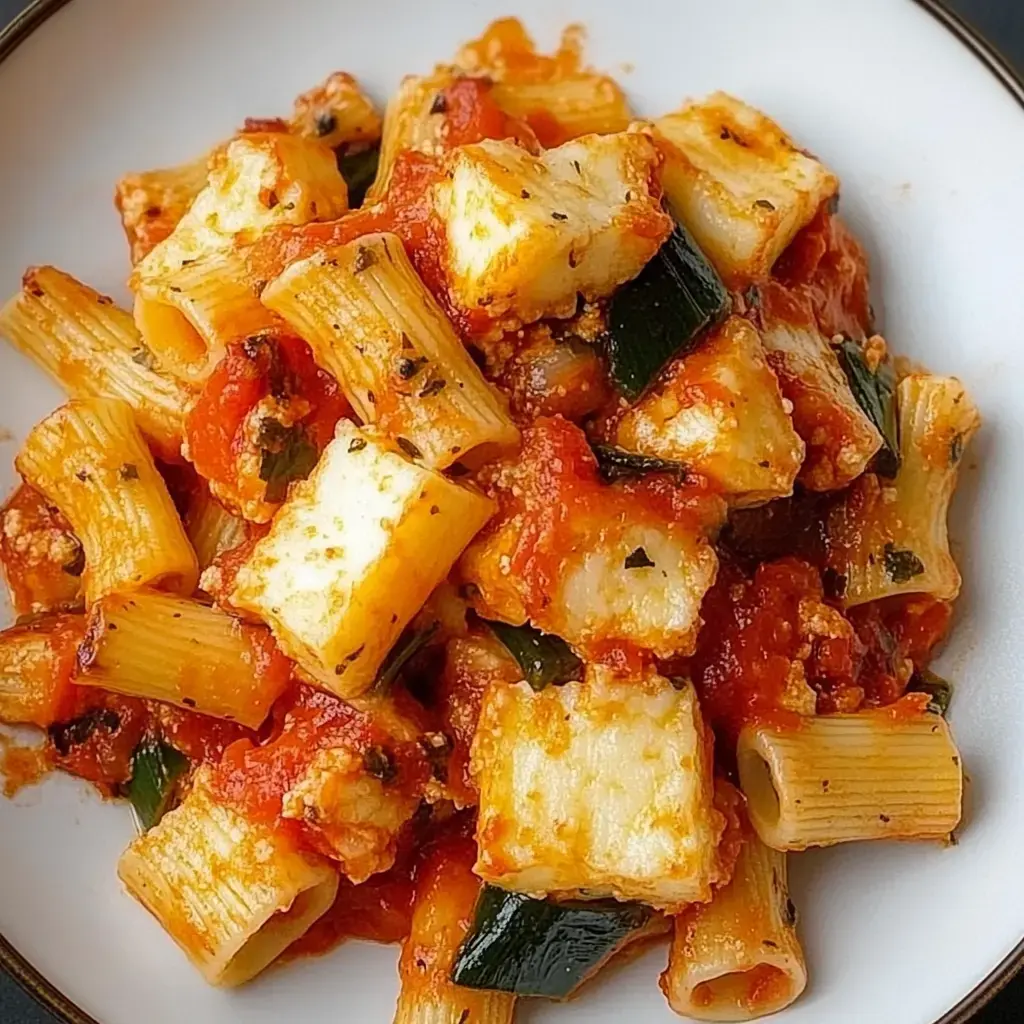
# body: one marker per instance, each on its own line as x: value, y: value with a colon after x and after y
x: 565, y: 469
x: 93, y: 350
x: 233, y: 894
x: 374, y: 325
x: 152, y: 645
x: 837, y: 778
x: 738, y: 957
x: 91, y: 461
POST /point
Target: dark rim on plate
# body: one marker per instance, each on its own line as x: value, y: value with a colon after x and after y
x: 53, y: 1000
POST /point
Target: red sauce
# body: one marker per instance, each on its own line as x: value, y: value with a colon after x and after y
x: 825, y: 263
x: 472, y: 115
x: 749, y: 642
x: 97, y: 739
x: 254, y: 779
x: 379, y: 910
x: 282, y: 368
x: 553, y: 500
x: 39, y: 554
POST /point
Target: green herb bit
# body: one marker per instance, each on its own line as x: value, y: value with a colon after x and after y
x: 546, y: 659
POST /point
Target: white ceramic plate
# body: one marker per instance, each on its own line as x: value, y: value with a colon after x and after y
x: 929, y: 145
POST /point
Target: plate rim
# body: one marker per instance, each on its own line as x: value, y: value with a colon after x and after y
x: 50, y: 997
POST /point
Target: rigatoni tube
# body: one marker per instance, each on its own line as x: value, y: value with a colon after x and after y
x: 373, y: 324
x: 890, y: 537
x: 579, y: 104
x: 152, y: 202
x: 887, y: 774
x: 738, y: 957
x: 93, y: 350
x: 151, y: 645
x: 189, y: 316
x: 211, y: 528
x: 353, y: 554
x: 446, y: 893
x: 91, y: 461
x: 233, y: 894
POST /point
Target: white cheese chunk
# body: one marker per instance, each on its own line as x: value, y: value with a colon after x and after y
x: 528, y: 234
x: 737, y: 181
x: 353, y: 554
x: 600, y: 788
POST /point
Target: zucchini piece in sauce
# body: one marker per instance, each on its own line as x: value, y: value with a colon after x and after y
x: 545, y: 659
x: 661, y: 312
x: 938, y: 689
x: 615, y: 463
x: 156, y: 769
x: 876, y: 395
x: 541, y: 947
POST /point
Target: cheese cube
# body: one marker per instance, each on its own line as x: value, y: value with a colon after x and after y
x: 719, y: 411
x: 353, y: 554
x: 740, y: 185
x: 600, y: 788
x: 528, y: 234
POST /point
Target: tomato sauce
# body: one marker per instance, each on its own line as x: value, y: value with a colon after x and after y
x: 98, y: 738
x: 555, y: 492
x: 254, y: 779
x: 40, y: 556
x: 827, y: 265
x: 281, y: 368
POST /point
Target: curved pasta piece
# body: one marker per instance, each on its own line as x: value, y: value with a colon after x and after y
x: 599, y: 788
x: 719, y: 412
x: 738, y: 957
x: 93, y: 350
x: 738, y: 183
x: 90, y: 460
x: 888, y: 538
x: 337, y: 112
x: 373, y: 324
x: 36, y: 661
x: 887, y: 774
x: 353, y: 554
x: 231, y: 893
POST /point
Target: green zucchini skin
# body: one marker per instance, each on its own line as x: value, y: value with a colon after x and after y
x: 546, y: 659
x: 938, y: 689
x: 615, y: 463
x: 156, y: 768
x: 876, y: 395
x: 539, y: 947
x: 662, y: 312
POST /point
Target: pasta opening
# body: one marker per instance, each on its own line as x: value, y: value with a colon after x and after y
x: 759, y: 786
x: 279, y: 932
x: 171, y: 334
x: 738, y: 994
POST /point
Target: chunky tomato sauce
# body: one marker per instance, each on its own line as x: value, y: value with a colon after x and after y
x: 254, y: 779
x: 40, y: 556
x: 827, y: 265
x: 278, y: 369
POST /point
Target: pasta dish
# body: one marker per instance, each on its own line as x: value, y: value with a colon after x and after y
x: 495, y: 526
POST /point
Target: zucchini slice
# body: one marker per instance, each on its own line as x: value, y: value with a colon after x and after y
x: 614, y: 463
x: 661, y: 312
x: 876, y: 395
x: 156, y: 769
x: 938, y: 689
x: 545, y: 659
x: 541, y: 947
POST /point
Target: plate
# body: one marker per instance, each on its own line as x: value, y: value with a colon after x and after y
x: 929, y: 146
